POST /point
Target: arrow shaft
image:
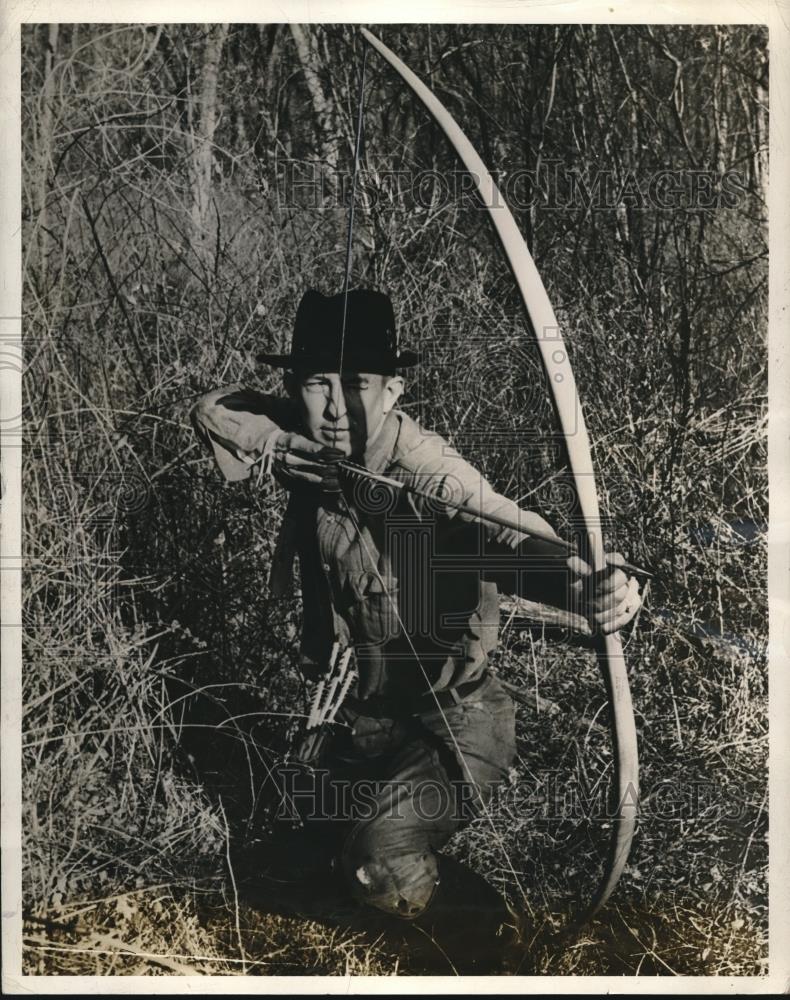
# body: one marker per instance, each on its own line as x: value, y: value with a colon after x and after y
x: 477, y: 512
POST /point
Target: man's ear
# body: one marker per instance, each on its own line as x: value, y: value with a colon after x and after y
x: 393, y: 391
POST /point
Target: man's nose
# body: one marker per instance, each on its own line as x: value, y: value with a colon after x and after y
x: 336, y: 401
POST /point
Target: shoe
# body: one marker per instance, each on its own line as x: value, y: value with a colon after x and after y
x: 468, y: 928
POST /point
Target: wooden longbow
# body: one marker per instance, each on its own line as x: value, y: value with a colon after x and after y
x: 545, y: 328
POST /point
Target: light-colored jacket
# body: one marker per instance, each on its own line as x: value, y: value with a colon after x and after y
x: 401, y: 578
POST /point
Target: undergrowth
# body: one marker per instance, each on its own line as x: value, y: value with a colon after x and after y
x: 160, y: 677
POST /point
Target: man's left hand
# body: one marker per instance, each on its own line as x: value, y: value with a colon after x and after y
x: 612, y: 600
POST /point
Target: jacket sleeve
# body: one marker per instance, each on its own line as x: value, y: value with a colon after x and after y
x: 534, y: 569
x: 237, y: 423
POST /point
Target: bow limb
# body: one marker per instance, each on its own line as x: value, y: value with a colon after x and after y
x: 563, y: 387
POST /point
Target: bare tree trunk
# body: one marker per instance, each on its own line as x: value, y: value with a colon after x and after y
x: 203, y: 141
x: 761, y: 127
x: 45, y: 147
x: 306, y: 50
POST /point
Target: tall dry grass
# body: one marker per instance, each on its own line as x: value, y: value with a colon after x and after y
x: 160, y: 678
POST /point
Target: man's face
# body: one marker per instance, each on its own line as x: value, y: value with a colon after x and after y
x: 345, y: 413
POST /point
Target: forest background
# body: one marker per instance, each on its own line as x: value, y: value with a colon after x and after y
x: 182, y: 186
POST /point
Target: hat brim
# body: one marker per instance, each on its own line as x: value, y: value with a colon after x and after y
x: 323, y: 362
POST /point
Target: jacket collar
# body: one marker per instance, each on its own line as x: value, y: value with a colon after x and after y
x: 379, y: 451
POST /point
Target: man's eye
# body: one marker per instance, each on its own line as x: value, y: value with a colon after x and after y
x: 314, y: 385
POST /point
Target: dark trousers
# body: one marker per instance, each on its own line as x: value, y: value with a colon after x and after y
x: 389, y: 792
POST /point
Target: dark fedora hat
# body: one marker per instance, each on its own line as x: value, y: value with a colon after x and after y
x: 368, y: 345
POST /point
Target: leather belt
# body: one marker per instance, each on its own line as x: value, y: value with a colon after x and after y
x: 451, y: 696
x: 380, y: 706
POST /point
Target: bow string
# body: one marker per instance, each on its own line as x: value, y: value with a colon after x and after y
x: 369, y: 556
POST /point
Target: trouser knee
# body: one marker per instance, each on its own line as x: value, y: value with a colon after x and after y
x: 399, y: 883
